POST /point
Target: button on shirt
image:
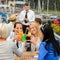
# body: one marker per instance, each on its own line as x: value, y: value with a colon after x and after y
x: 30, y: 16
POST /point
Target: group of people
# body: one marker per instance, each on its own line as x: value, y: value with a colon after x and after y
x: 42, y: 37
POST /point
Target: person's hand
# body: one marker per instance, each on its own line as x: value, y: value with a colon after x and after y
x: 26, y: 20
x: 27, y: 28
x: 17, y: 37
x: 34, y: 41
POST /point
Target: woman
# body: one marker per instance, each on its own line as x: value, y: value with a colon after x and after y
x: 14, y: 35
x: 36, y: 37
x: 49, y: 48
x: 7, y: 48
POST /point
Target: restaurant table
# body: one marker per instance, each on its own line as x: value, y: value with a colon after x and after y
x: 26, y: 56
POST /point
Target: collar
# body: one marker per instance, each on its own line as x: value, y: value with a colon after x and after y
x: 25, y: 10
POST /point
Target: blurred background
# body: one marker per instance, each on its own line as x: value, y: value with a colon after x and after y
x: 46, y: 10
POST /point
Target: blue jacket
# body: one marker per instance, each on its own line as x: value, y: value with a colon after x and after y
x: 47, y: 54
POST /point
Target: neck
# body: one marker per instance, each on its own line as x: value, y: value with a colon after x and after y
x: 27, y: 10
x: 2, y: 39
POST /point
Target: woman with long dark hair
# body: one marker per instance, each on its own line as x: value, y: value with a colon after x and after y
x: 49, y: 48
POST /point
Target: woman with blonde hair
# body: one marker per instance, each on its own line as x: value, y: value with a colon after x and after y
x: 7, y: 48
x: 36, y: 37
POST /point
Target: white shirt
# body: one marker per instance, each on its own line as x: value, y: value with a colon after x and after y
x: 11, y: 26
x: 7, y: 50
x: 30, y: 16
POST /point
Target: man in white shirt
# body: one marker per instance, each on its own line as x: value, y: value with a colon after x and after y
x: 26, y: 16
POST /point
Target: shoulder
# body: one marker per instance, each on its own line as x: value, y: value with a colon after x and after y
x: 12, y: 34
x: 31, y: 11
x: 11, y: 43
x: 43, y: 43
x: 22, y: 11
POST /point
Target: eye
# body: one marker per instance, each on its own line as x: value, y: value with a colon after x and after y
x: 17, y: 28
x: 20, y: 28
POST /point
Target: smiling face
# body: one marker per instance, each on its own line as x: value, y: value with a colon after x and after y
x: 18, y: 28
x: 26, y: 8
x: 33, y: 29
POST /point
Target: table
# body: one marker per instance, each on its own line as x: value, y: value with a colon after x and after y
x: 26, y: 56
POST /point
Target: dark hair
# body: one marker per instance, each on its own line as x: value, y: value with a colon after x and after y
x: 38, y: 20
x: 17, y: 23
x: 26, y: 4
x: 49, y: 38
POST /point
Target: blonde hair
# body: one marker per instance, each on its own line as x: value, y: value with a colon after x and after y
x: 4, y: 30
x: 39, y: 32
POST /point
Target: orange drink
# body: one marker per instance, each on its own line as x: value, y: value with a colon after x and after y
x: 21, y: 33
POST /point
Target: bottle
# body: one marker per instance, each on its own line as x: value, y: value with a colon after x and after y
x: 28, y: 42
